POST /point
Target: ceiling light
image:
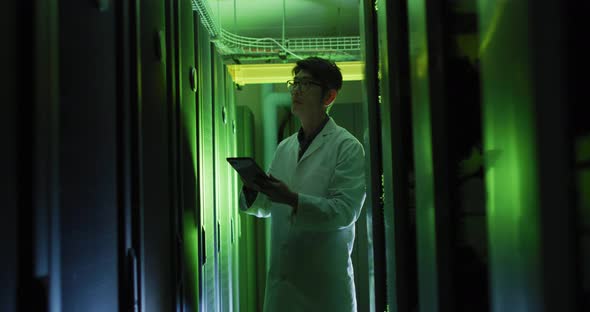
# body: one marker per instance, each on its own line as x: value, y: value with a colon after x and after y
x: 243, y: 74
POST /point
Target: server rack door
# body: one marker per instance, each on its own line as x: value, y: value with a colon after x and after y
x: 373, y: 204
x: 247, y: 230
x: 430, y: 159
x: 8, y: 230
x: 223, y: 212
x: 173, y: 39
x: 468, y: 195
x: 88, y: 157
x: 531, y: 243
x: 578, y: 64
x: 157, y: 233
x: 129, y: 96
x: 38, y: 148
x: 582, y: 167
x: 188, y: 153
x: 11, y: 84
x: 397, y: 156
x: 207, y: 173
x: 233, y: 199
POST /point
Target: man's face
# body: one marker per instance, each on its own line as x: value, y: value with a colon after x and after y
x: 306, y: 95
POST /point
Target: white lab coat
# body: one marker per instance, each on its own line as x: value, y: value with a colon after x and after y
x: 310, y: 265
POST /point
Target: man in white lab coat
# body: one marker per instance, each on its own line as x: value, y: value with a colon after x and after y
x: 314, y: 194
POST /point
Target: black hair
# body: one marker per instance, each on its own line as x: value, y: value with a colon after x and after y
x: 324, y: 71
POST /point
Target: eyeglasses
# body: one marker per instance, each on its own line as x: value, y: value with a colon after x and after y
x: 302, y: 85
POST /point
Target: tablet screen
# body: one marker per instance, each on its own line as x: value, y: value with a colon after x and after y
x: 247, y: 168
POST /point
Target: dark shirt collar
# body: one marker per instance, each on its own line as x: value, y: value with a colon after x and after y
x: 303, y: 143
x: 301, y: 135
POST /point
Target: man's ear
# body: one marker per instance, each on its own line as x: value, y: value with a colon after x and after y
x: 330, y: 97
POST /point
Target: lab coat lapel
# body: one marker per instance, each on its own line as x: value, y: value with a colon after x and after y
x: 320, y: 139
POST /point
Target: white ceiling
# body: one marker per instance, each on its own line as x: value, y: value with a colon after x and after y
x: 304, y: 18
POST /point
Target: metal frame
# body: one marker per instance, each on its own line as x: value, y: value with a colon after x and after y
x: 234, y: 46
x: 397, y: 157
x: 128, y: 149
x: 374, y: 171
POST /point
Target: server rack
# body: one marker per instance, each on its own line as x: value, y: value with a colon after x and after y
x: 158, y: 250
x: 207, y: 174
x: 577, y: 64
x: 188, y: 169
x: 396, y: 144
x: 223, y: 118
x: 9, y: 239
x: 374, y: 166
x: 246, y: 233
x: 233, y: 225
x: 128, y: 145
x: 529, y: 199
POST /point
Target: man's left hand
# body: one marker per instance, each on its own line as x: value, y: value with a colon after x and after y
x: 277, y: 191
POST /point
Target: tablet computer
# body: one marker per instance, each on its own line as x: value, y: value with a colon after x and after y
x: 247, y: 168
